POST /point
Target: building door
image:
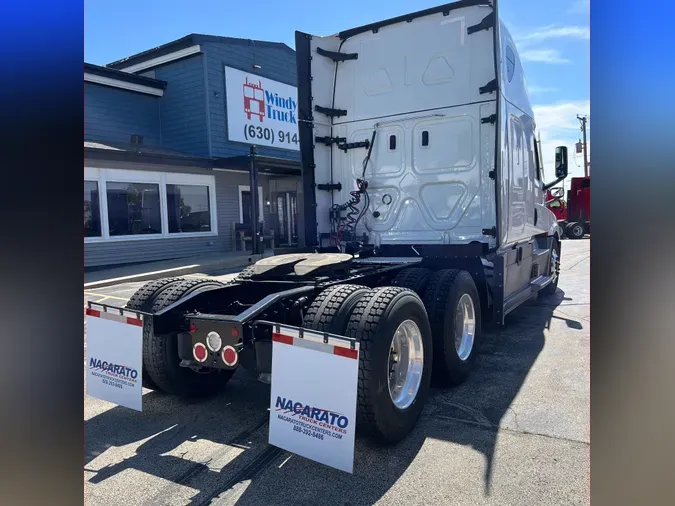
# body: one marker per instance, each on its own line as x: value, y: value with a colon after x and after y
x: 286, y: 217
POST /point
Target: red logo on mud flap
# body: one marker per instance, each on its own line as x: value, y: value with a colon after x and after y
x: 254, y: 100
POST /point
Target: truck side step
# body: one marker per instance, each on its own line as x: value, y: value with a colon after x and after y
x: 525, y: 293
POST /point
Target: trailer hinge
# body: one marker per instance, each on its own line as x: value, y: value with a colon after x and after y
x: 350, y: 145
x: 329, y: 111
x: 492, y: 174
x: 489, y: 87
x: 490, y: 119
x: 327, y: 140
x: 329, y: 187
x: 337, y: 56
x: 487, y: 23
x: 490, y: 231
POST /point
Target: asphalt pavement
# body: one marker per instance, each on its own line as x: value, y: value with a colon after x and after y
x: 516, y: 433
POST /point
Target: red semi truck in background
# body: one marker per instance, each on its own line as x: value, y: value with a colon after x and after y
x: 573, y: 215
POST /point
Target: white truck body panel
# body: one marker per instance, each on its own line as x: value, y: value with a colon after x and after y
x: 417, y: 84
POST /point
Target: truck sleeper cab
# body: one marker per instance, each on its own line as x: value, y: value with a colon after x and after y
x: 424, y: 217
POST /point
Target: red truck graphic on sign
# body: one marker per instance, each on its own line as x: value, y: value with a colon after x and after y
x: 254, y: 100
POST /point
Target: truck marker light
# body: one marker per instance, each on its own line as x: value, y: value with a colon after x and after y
x: 199, y: 352
x: 193, y: 328
x: 229, y: 356
x: 213, y: 341
x: 235, y: 332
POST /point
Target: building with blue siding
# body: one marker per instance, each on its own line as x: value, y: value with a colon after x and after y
x: 168, y: 134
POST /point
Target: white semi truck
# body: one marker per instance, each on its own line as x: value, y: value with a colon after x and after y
x: 423, y: 213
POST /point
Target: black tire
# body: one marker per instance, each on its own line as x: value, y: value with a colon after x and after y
x: 142, y: 300
x: 574, y: 230
x: 373, y: 322
x: 441, y: 299
x: 551, y: 288
x: 414, y: 278
x: 160, y: 353
x: 331, y: 309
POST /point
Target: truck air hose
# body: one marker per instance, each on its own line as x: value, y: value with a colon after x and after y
x: 349, y: 222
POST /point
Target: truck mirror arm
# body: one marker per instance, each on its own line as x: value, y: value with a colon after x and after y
x: 553, y: 183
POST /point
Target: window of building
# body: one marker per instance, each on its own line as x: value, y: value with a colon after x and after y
x: 133, y: 208
x: 126, y: 205
x: 92, y: 210
x: 189, y: 208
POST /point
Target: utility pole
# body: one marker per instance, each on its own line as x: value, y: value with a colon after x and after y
x: 583, y: 120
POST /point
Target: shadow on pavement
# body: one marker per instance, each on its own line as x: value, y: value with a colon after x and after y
x: 237, y: 421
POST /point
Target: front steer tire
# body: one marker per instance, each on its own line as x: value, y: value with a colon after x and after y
x: 373, y: 322
x: 554, y: 269
x: 160, y: 353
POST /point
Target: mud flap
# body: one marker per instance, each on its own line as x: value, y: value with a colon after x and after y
x: 313, y: 395
x: 114, y: 356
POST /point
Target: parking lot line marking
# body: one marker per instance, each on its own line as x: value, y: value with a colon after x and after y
x: 105, y: 296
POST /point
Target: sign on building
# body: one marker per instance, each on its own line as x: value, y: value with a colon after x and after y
x: 261, y: 111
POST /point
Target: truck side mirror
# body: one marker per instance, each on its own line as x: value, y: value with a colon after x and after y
x: 561, y: 162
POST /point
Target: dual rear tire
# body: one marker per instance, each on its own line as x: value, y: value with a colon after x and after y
x: 392, y: 328
x: 429, y: 321
x: 161, y: 362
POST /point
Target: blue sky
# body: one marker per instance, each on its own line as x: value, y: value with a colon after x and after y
x: 552, y: 38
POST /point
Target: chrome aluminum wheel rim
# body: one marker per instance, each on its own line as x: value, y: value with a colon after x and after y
x: 465, y: 326
x: 406, y: 363
x: 555, y: 265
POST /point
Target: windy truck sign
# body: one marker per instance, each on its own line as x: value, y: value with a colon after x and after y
x: 261, y: 111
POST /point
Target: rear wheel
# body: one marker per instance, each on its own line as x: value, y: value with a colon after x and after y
x: 574, y: 230
x: 142, y: 300
x: 394, y: 336
x: 331, y: 309
x: 453, y: 305
x: 160, y: 352
x: 414, y: 278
